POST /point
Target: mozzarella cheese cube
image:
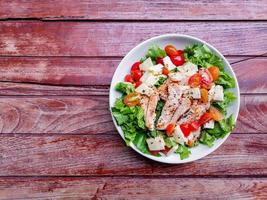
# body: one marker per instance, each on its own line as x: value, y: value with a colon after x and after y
x: 195, y: 93
x: 146, y: 64
x: 209, y: 124
x: 172, y: 150
x: 156, y: 69
x: 155, y: 144
x: 168, y: 63
x: 211, y: 92
x: 179, y: 136
x: 189, y: 69
x: 218, y: 93
x: 151, y: 80
x: 145, y: 76
x: 177, y: 76
x: 144, y: 89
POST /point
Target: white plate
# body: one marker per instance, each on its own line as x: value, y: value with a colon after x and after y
x: 180, y: 42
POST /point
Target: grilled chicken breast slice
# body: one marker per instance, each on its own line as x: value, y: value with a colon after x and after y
x: 163, y: 90
x: 184, y: 106
x: 194, y: 113
x: 170, y: 106
x: 151, y: 111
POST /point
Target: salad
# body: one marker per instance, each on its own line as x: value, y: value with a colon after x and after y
x: 173, y: 100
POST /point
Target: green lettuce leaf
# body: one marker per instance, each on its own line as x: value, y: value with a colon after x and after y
x: 155, y: 52
x: 225, y: 80
x: 229, y: 98
x: 125, y: 88
x: 140, y: 142
x: 169, y: 142
x: 202, y: 56
x: 160, y: 81
x: 183, y: 151
x: 220, y: 130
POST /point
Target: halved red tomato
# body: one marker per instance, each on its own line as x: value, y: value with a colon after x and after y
x: 177, y: 60
x: 169, y: 129
x: 185, y: 129
x: 205, y: 118
x: 135, y: 66
x: 131, y: 99
x: 138, y: 83
x: 194, y: 126
x: 171, y: 50
x: 137, y: 74
x: 195, y: 80
x: 128, y: 78
x: 160, y: 61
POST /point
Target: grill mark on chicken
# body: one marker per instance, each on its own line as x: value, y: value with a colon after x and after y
x: 170, y: 106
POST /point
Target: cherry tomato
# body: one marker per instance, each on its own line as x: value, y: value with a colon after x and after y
x: 216, y: 114
x: 131, y: 99
x: 177, y: 60
x: 204, y: 95
x: 194, y: 126
x: 185, y: 129
x: 206, y: 76
x: 137, y: 74
x: 138, y: 83
x: 169, y: 129
x: 165, y: 71
x: 205, y: 118
x: 135, y: 66
x: 160, y: 61
x: 128, y: 78
x: 195, y: 80
x: 215, y: 72
x: 154, y: 153
x: 180, y: 52
x: 171, y: 50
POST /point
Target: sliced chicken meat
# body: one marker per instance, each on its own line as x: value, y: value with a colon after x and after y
x: 172, y: 103
x: 194, y: 113
x: 184, y: 106
x: 163, y: 90
x: 149, y: 105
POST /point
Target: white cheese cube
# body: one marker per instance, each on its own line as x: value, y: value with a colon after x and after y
x: 188, y: 69
x: 146, y: 64
x: 156, y: 69
x: 144, y: 89
x: 211, y: 92
x: 172, y: 150
x: 155, y: 144
x: 179, y: 136
x: 177, y: 76
x: 218, y: 93
x: 151, y: 80
x: 195, y: 93
x: 168, y: 63
x: 209, y: 124
x: 145, y: 76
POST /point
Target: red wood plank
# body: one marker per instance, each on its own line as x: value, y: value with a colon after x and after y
x: 107, y: 155
x: 125, y: 188
x: 139, y: 10
x: 99, y: 71
x: 117, y: 38
x: 90, y: 115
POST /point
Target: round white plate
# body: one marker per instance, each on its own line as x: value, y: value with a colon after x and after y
x: 180, y: 42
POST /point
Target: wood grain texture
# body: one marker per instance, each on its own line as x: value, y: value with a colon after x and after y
x: 77, y: 155
x: 137, y: 10
x: 117, y: 38
x: 134, y: 188
x: 99, y: 71
x: 90, y: 115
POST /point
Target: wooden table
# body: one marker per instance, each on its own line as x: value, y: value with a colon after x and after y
x: 57, y: 137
